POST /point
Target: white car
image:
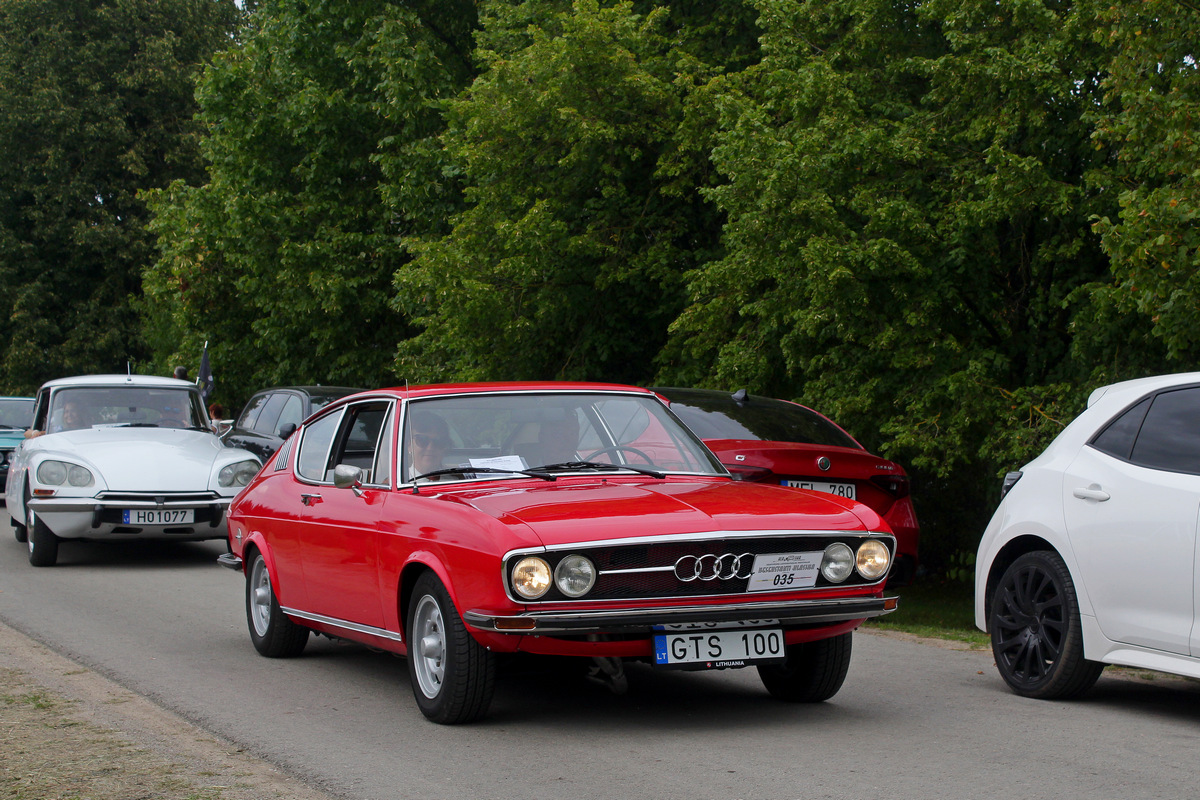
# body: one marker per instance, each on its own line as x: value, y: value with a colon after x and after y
x: 1091, y: 557
x: 121, y: 457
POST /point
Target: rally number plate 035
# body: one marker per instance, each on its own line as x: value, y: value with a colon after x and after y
x: 180, y: 516
x: 708, y: 649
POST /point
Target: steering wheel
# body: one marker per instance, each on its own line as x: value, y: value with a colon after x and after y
x: 620, y: 448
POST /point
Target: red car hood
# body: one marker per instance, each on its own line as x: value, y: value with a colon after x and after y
x: 584, y: 512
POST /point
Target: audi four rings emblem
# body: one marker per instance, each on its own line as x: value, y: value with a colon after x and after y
x: 709, y: 567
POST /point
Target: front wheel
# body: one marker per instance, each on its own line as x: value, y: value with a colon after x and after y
x: 43, y: 544
x: 813, y: 672
x: 273, y: 634
x: 1037, y: 638
x: 453, y: 676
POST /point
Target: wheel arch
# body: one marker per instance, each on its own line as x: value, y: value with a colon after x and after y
x: 1007, y: 554
x: 413, y: 570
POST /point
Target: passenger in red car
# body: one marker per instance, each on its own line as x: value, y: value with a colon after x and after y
x: 429, y: 439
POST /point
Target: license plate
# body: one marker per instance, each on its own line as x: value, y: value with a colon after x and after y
x: 780, y: 571
x: 718, y: 649
x: 181, y: 516
x: 840, y: 489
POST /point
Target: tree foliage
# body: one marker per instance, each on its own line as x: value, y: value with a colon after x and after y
x: 1151, y: 117
x: 908, y: 223
x: 97, y: 102
x: 577, y: 144
x: 320, y: 158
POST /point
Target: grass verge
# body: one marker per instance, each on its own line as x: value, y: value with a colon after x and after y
x: 937, y: 609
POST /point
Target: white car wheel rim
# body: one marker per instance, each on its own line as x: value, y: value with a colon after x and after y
x: 429, y: 646
x: 260, y: 597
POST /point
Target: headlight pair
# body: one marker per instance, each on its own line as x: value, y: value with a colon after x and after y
x: 239, y: 474
x: 574, y: 576
x: 839, y: 561
x: 59, y: 473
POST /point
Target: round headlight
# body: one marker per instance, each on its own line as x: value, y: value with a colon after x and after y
x: 79, y: 476
x: 575, y: 576
x: 238, y: 474
x: 531, y: 577
x: 52, y: 473
x: 873, y: 559
x: 837, y: 563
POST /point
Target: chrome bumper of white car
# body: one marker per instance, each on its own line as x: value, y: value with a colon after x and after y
x: 84, y: 517
x: 641, y: 620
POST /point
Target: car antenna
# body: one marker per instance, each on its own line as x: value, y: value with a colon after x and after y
x: 740, y: 396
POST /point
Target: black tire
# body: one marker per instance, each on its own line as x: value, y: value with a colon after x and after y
x: 813, y: 672
x: 453, y: 677
x: 273, y: 634
x: 1036, y: 634
x: 43, y: 544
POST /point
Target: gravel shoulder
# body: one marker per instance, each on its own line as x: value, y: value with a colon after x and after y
x: 68, y: 733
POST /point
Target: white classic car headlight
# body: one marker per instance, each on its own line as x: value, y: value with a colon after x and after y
x: 239, y: 474
x: 57, y: 473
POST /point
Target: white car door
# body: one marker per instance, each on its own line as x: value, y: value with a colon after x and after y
x: 1131, y: 504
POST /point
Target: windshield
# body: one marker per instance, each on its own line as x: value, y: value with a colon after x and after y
x: 16, y: 413
x: 716, y: 415
x: 130, y: 406
x: 547, y: 432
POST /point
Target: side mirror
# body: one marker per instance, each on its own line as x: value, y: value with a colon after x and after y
x: 286, y: 430
x: 348, y: 477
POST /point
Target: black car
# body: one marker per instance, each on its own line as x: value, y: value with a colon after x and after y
x: 272, y: 415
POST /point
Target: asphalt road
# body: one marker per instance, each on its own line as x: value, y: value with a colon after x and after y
x: 913, y: 720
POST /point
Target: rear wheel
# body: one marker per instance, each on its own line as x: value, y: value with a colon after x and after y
x: 43, y: 544
x: 453, y: 676
x: 273, y: 634
x: 813, y: 672
x: 1037, y: 638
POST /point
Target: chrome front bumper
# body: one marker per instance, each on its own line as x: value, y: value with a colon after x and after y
x: 643, y: 620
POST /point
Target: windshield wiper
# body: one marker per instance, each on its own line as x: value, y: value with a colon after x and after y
x: 468, y: 470
x: 602, y: 466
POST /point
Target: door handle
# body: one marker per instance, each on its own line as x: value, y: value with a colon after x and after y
x: 1093, y: 492
x: 310, y: 499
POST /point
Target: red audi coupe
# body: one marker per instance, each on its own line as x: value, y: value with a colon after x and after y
x: 455, y: 524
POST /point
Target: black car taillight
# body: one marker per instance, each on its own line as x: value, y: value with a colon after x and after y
x: 752, y: 474
x: 1010, y: 480
x: 895, y: 485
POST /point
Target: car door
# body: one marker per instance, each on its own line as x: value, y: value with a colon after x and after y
x: 339, y: 530
x: 1131, y: 502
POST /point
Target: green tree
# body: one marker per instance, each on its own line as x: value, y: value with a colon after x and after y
x: 582, y: 147
x: 908, y: 220
x: 1150, y: 120
x: 321, y: 155
x: 97, y: 102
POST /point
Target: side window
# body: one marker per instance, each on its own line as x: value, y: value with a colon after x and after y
x: 269, y: 416
x: 382, y: 472
x: 293, y: 413
x: 313, y: 458
x: 251, y: 412
x: 1117, y: 439
x: 359, y: 439
x: 1170, y: 436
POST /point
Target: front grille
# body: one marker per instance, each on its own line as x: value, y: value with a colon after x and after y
x: 647, y: 570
